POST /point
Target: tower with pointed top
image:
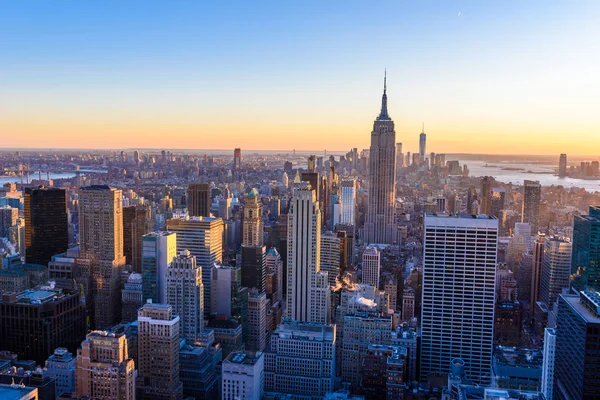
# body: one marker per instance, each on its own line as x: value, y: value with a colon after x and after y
x: 422, y: 144
x: 380, y: 225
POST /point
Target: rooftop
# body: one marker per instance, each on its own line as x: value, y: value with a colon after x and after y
x: 244, y: 357
x: 16, y: 392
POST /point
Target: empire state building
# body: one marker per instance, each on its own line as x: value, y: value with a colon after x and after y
x: 380, y: 224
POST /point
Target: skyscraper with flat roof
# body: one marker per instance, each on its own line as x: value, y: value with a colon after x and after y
x: 46, y: 224
x: 380, y: 225
x: 556, y: 269
x: 576, y: 372
x: 585, y: 261
x: 203, y: 237
x: 158, y: 251
x: 459, y: 278
x: 532, y: 196
x: 307, y: 285
x: 562, y: 166
x: 104, y: 369
x: 101, y: 243
x: 198, y: 200
x: 185, y: 292
x: 348, y: 193
x: 158, y: 352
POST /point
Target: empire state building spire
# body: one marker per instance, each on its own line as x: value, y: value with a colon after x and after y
x: 380, y: 222
x: 383, y: 115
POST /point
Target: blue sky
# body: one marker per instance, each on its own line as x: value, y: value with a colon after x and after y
x: 300, y: 74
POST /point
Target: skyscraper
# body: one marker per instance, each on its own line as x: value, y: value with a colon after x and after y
x: 305, y: 281
x: 158, y: 352
x: 243, y: 376
x: 562, y: 166
x: 548, y: 362
x: 399, y: 156
x: 137, y: 221
x: 576, y: 372
x: 237, y: 159
x: 8, y: 217
x: 422, y: 144
x: 104, y: 369
x: 254, y: 267
x: 46, y: 224
x: 257, y: 321
x: 585, y: 263
x: 348, y: 201
x: 380, y: 225
x: 185, y: 292
x: 486, y: 195
x: 101, y: 242
x: 556, y: 269
x: 158, y: 251
x: 333, y: 255
x: 301, y: 359
x: 253, y: 225
x: 459, y: 294
x: 536, y: 270
x: 198, y: 200
x: 532, y: 195
x: 203, y: 237
x: 371, y: 266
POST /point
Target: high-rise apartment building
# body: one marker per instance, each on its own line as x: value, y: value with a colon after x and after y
x: 35, y: 322
x: 371, y: 267
x: 101, y: 243
x: 562, y: 166
x: 252, y: 226
x: 348, y: 191
x: 46, y: 224
x: 137, y: 221
x: 585, y: 264
x: 185, y: 293
x: 300, y: 360
x: 257, y: 321
x: 532, y: 196
x: 158, y: 352
x: 380, y: 225
x: 275, y: 275
x: 104, y: 369
x: 243, y: 376
x: 459, y: 277
x: 158, y: 251
x: 203, y: 237
x: 308, y: 287
x: 556, y: 269
x: 576, y: 372
x: 198, y: 200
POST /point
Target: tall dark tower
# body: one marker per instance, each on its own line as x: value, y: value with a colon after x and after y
x: 46, y: 224
x: 199, y: 200
x: 380, y: 224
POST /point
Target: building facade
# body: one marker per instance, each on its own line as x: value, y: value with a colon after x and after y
x: 459, y: 278
x: 380, y: 225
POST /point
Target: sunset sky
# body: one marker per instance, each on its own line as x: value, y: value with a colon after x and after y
x: 518, y: 77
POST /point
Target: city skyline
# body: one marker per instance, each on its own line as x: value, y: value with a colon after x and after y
x: 470, y: 71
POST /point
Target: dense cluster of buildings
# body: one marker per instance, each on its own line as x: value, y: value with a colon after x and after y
x: 374, y: 275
